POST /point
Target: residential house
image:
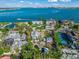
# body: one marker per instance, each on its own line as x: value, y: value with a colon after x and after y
x: 50, y: 25
x: 37, y: 22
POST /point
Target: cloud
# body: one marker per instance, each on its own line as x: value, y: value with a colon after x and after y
x: 30, y: 3
x: 65, y: 0
x: 37, y: 3
x: 21, y: 1
x: 52, y: 0
x: 59, y: 0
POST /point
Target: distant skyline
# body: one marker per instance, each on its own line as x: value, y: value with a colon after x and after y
x: 39, y: 3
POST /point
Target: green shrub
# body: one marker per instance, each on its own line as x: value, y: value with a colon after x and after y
x: 1, y: 51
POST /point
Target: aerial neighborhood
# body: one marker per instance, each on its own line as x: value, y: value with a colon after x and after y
x: 39, y: 39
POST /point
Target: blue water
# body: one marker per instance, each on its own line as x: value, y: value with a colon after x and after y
x: 30, y: 14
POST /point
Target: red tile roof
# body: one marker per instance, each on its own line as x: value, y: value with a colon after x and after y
x: 5, y: 57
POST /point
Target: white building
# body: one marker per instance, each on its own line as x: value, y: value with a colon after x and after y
x: 35, y: 34
x: 49, y: 39
x: 14, y: 34
x: 69, y: 54
x: 23, y: 36
x: 50, y: 25
x: 17, y: 39
x: 37, y: 22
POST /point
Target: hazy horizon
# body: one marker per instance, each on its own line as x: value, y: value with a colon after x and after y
x: 38, y: 3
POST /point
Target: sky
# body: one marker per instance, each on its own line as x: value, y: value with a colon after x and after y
x: 39, y: 3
